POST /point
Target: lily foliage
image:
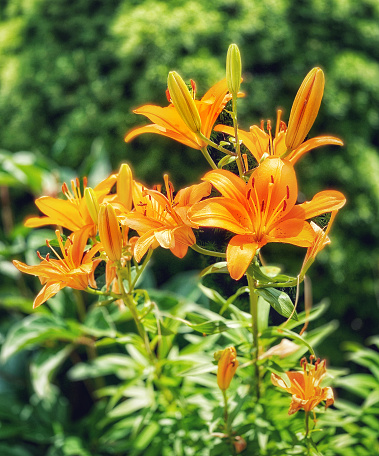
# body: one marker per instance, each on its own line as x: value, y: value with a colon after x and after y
x: 118, y: 225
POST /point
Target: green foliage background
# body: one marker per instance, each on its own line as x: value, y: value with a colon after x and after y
x: 71, y: 72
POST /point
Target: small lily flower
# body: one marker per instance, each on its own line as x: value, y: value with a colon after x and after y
x: 73, y: 268
x: 305, y: 386
x: 72, y: 213
x: 162, y: 220
x: 227, y: 366
x: 109, y: 232
x: 262, y: 144
x: 168, y: 121
x: 305, y: 108
x: 263, y: 210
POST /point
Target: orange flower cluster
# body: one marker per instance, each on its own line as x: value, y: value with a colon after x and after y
x: 258, y: 211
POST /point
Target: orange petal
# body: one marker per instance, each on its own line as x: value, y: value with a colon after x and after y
x: 322, y: 202
x: 211, y: 105
x: 255, y: 140
x: 165, y: 238
x: 240, y: 253
x: 49, y: 290
x: 313, y: 144
x: 186, y: 139
x: 292, y: 231
x: 221, y: 213
x: 143, y: 244
x: 59, y: 212
x: 193, y: 194
x: 228, y: 184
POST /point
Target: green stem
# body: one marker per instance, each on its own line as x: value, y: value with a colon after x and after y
x: 129, y: 302
x: 237, y: 143
x: 254, y: 322
x: 205, y: 152
x: 228, y: 430
x: 199, y: 249
x: 140, y: 270
x: 216, y: 146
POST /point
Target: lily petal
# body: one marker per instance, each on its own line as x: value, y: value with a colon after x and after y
x: 223, y: 213
x: 240, y: 253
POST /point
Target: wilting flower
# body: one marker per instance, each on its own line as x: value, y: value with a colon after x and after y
x: 162, y: 220
x: 72, y: 213
x: 320, y: 240
x: 305, y: 386
x: 227, y: 366
x: 285, y: 348
x: 289, y: 141
x: 168, y: 122
x: 72, y: 268
x: 261, y: 211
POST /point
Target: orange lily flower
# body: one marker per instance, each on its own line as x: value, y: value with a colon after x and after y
x: 71, y: 269
x: 167, y: 121
x: 261, y: 143
x: 305, y: 386
x: 261, y: 211
x: 161, y: 220
x: 72, y: 213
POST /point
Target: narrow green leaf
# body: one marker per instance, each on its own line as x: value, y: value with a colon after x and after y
x: 217, y: 268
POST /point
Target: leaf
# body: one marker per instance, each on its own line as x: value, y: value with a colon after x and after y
x: 217, y: 268
x: 98, y: 323
x: 279, y: 300
x: 226, y: 161
x: 213, y: 295
x: 43, y: 368
x: 35, y: 329
x: 212, y: 327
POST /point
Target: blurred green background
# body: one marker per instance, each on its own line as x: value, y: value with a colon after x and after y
x: 71, y: 72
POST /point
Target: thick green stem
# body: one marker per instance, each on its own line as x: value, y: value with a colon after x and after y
x: 208, y: 158
x: 207, y: 252
x: 254, y: 323
x: 216, y: 146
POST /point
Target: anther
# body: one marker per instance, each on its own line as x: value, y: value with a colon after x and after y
x: 272, y: 179
x: 284, y: 205
x: 288, y: 192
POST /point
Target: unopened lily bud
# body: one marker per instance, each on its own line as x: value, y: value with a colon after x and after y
x: 233, y: 69
x: 92, y: 204
x: 125, y: 186
x: 183, y: 102
x: 305, y: 108
x: 109, y: 231
x: 227, y: 366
